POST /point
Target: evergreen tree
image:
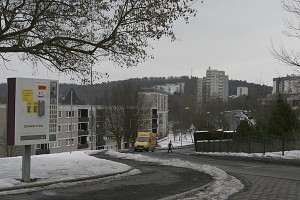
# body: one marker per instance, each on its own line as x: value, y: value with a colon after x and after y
x: 260, y: 127
x: 283, y: 119
x: 244, y: 128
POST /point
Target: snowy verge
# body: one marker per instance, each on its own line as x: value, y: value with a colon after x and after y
x: 49, y: 168
x: 295, y: 154
x: 223, y: 184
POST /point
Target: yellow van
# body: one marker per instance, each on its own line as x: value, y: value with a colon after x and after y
x: 145, y: 141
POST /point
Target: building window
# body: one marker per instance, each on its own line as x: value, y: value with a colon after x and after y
x: 59, y: 128
x: 69, y: 127
x: 55, y: 144
x: 110, y: 137
x: 42, y: 146
x: 69, y: 115
x: 59, y: 114
x: 69, y: 142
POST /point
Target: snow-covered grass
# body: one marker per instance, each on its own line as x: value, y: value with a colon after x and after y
x: 56, y: 167
x: 295, y: 154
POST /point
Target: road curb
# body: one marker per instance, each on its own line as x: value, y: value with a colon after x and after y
x: 188, y: 193
x: 175, y: 147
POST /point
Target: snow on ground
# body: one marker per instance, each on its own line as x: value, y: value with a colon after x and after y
x: 287, y: 154
x: 187, y: 139
x: 56, y: 167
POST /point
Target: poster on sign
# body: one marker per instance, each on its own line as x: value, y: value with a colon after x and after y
x: 31, y: 111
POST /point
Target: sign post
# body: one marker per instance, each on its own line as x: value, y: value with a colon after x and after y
x: 26, y: 160
x: 31, y: 115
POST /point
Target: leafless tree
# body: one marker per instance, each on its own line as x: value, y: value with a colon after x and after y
x: 69, y: 35
x: 125, y: 111
x: 289, y: 56
x: 114, y: 121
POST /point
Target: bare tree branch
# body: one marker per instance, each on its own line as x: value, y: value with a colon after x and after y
x: 70, y: 35
x: 289, y: 57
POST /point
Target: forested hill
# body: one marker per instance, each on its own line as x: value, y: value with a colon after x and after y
x: 254, y: 90
x: 95, y: 94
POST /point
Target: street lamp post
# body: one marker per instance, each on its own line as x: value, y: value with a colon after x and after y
x: 208, y: 117
x: 92, y: 119
x: 71, y: 135
x: 186, y: 108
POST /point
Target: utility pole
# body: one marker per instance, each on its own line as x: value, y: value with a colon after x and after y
x: 71, y: 121
x: 92, y: 119
x: 186, y: 108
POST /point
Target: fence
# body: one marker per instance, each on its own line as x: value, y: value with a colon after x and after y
x: 249, y: 144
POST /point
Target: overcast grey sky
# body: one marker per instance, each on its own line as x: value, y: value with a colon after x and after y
x: 229, y: 35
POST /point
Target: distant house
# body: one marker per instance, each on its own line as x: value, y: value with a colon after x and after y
x: 171, y: 89
x: 240, y: 91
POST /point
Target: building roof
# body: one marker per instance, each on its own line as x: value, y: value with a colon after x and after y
x: 152, y: 90
x: 75, y: 99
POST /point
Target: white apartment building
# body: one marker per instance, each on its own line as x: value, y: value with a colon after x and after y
x: 217, y: 84
x: 73, y: 130
x: 214, y: 86
x: 171, y: 89
x: 286, y: 85
x: 83, y: 126
x: 240, y: 91
x: 157, y: 119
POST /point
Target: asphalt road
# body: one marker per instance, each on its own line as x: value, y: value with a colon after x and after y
x: 262, y: 180
x: 154, y: 182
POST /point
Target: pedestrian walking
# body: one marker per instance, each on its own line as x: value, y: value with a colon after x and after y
x: 170, y: 145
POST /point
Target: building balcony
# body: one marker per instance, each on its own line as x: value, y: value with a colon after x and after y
x: 83, y: 146
x: 83, y: 132
x: 39, y: 151
x: 83, y: 119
